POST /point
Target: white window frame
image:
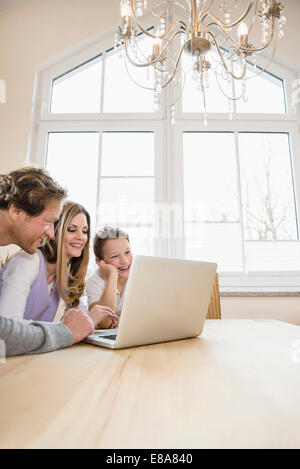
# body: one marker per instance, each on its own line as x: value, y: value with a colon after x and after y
x: 168, y: 147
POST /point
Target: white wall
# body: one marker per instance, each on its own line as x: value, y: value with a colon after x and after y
x: 38, y: 30
x: 281, y: 308
x: 29, y: 35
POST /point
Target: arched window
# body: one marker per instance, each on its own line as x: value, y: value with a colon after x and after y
x: 224, y: 192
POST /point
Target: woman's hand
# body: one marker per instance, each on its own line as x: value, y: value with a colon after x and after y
x: 104, y: 317
x: 107, y: 270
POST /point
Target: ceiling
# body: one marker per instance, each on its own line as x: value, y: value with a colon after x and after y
x: 6, y: 5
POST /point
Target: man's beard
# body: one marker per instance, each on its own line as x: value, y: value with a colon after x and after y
x: 28, y: 245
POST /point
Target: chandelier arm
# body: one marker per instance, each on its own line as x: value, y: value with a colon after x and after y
x: 173, y: 103
x: 194, y: 18
x: 175, y: 6
x: 175, y: 67
x: 223, y: 61
x: 262, y: 70
x: 180, y: 94
x: 253, y: 18
x: 245, y: 49
x: 223, y: 92
x: 132, y: 79
x: 163, y: 86
x: 227, y: 26
x: 140, y: 51
x: 153, y: 89
x: 156, y: 59
x: 202, y: 6
x: 158, y: 36
x: 147, y: 64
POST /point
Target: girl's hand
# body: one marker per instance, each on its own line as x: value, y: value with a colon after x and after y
x: 104, y: 317
x: 106, y: 270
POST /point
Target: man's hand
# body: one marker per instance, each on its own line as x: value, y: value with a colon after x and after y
x: 79, y: 323
x: 104, y: 317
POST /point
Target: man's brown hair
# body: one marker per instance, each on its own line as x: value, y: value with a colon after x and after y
x: 29, y: 189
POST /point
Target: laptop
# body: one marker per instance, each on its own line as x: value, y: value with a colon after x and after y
x: 165, y: 300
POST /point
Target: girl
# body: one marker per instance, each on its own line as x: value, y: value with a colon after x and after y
x: 114, y: 258
x: 32, y: 285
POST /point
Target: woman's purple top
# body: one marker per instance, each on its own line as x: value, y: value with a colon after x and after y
x: 41, y: 305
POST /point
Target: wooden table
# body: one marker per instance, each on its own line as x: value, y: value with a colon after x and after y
x: 237, y: 386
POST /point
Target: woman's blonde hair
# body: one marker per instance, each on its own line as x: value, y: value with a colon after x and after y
x: 70, y: 277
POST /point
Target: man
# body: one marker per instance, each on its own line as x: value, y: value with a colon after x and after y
x: 30, y: 203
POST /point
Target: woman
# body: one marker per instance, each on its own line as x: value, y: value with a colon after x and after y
x: 34, y: 284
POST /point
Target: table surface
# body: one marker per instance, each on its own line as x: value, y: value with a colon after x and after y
x: 236, y: 386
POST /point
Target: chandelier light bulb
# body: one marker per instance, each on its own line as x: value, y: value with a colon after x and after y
x: 242, y: 29
x: 125, y: 8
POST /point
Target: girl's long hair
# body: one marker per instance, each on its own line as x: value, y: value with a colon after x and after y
x: 70, y: 277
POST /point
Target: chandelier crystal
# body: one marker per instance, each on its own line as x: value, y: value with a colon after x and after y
x: 216, y: 36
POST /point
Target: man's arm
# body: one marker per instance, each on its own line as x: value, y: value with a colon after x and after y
x: 35, y: 337
x: 40, y: 337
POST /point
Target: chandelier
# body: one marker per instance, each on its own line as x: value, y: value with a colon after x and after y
x: 213, y: 36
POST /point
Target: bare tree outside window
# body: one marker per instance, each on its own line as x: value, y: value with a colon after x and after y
x: 267, y: 187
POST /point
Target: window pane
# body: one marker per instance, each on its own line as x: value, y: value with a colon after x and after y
x: 72, y: 159
x: 265, y: 93
x: 128, y: 203
x: 127, y: 154
x: 127, y: 187
x: 210, y: 177
x: 273, y: 255
x: 126, y: 200
x: 121, y: 94
x: 215, y: 242
x: 79, y: 90
x: 211, y: 195
x: 267, y: 187
x: 141, y: 239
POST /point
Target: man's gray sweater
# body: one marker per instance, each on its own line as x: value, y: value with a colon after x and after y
x: 35, y: 337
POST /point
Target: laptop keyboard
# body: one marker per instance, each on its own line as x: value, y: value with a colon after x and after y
x: 110, y: 337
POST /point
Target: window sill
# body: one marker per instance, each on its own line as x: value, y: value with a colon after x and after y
x: 258, y: 293
x: 260, y: 285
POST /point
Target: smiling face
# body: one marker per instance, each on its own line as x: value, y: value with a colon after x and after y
x: 29, y: 231
x: 117, y: 252
x: 76, y: 236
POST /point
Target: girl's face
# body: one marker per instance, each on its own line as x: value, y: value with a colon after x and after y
x: 117, y: 252
x: 76, y: 236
